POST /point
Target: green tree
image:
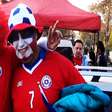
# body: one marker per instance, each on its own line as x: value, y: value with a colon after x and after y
x: 110, y: 41
x: 104, y: 7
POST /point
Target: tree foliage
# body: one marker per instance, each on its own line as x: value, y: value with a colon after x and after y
x: 104, y: 7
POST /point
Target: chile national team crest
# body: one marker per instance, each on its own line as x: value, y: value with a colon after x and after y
x: 0, y: 71
x: 46, y: 81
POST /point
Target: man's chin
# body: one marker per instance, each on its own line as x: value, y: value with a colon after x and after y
x: 79, y: 56
x: 26, y: 60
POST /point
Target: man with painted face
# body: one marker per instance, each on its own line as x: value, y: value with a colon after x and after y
x: 9, y: 62
x: 38, y: 81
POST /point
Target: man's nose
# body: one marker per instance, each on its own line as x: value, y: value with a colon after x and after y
x: 21, y: 42
x: 78, y: 50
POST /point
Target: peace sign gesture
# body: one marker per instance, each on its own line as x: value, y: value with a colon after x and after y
x: 53, y: 36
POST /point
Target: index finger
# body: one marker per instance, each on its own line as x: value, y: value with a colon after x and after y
x: 54, y: 26
x: 52, y: 29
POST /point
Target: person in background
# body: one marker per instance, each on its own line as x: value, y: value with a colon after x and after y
x: 101, y: 59
x: 100, y: 56
x: 92, y: 57
x: 38, y: 81
x: 78, y: 52
x: 109, y: 60
x: 86, y: 57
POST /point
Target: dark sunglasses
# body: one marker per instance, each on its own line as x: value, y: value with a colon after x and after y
x: 27, y: 33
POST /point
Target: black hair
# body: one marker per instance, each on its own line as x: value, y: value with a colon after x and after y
x: 100, y: 46
x: 27, y: 31
x: 92, y: 57
x: 78, y: 41
x: 86, y: 50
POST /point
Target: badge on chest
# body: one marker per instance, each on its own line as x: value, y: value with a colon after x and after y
x: 0, y: 71
x: 46, y: 81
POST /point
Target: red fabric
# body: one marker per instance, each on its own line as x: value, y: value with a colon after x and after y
x: 6, y: 69
x: 3, y: 28
x: 58, y: 68
x: 77, y: 61
x: 69, y: 16
x: 20, y: 27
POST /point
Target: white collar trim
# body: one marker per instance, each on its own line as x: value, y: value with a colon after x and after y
x: 33, y: 68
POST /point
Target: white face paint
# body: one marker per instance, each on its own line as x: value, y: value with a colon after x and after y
x: 22, y: 46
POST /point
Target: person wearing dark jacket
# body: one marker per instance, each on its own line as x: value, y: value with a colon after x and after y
x: 101, y: 59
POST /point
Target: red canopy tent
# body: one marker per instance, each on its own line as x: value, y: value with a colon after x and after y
x: 69, y: 16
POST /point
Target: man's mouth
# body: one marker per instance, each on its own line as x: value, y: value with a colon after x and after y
x: 23, y: 50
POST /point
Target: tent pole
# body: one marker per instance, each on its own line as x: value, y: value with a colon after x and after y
x: 96, y: 40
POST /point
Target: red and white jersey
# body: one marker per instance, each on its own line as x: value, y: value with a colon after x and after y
x: 46, y: 77
x: 77, y: 61
x: 6, y: 67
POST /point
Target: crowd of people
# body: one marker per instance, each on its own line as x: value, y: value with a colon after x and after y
x: 86, y: 56
x: 35, y: 78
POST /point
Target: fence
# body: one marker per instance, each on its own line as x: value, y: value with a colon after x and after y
x: 103, y: 72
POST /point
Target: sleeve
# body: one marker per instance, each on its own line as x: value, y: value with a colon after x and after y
x: 103, y: 60
x: 70, y: 74
x: 75, y: 76
x: 42, y: 42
